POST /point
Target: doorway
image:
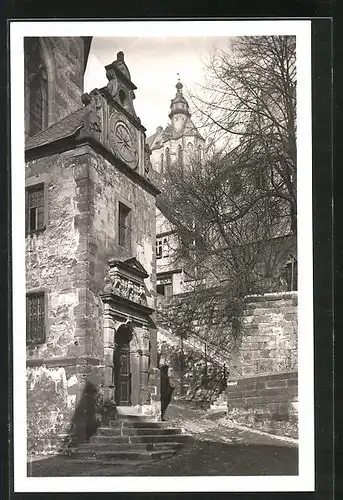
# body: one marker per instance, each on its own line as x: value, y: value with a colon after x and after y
x: 122, y: 368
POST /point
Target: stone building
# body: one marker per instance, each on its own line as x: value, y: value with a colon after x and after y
x: 179, y: 141
x: 90, y: 246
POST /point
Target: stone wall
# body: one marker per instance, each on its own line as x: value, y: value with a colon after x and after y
x: 63, y: 405
x: 266, y: 402
x: 66, y: 64
x: 68, y: 261
x: 54, y: 257
x: 267, y: 338
x: 200, y: 376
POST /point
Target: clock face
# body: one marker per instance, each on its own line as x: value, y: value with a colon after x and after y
x: 124, y: 143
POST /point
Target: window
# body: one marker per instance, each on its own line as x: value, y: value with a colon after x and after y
x: 190, y: 150
x: 165, y: 286
x: 179, y: 155
x: 167, y: 157
x: 236, y: 184
x: 36, y: 87
x: 161, y: 163
x: 260, y: 180
x: 35, y: 318
x: 124, y: 226
x: 35, y: 213
x: 159, y: 246
x: 290, y: 275
x: 162, y: 247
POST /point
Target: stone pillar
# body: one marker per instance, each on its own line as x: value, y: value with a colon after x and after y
x: 145, y: 365
x: 135, y: 365
x: 109, y: 332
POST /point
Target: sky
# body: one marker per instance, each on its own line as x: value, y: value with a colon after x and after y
x: 154, y: 63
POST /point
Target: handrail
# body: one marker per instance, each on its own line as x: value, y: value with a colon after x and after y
x: 225, y: 361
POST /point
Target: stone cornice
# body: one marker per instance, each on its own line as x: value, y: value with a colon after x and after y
x: 129, y: 304
x: 62, y: 361
x: 73, y: 142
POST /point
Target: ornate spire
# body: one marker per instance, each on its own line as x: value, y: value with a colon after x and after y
x: 179, y: 104
x: 179, y: 85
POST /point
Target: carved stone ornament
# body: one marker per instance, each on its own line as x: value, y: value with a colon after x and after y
x: 112, y: 85
x: 93, y: 116
x: 147, y: 161
x: 125, y: 286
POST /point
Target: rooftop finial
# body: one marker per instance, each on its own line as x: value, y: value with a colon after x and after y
x: 179, y: 85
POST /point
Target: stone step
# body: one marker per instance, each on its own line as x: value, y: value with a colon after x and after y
x: 160, y: 438
x: 109, y: 431
x: 138, y: 417
x: 133, y: 431
x: 113, y: 463
x: 153, y: 438
x: 140, y: 455
x: 103, y: 438
x: 96, y: 447
x: 130, y: 431
x: 120, y: 423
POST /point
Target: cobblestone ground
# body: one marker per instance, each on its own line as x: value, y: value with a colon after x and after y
x: 217, y: 448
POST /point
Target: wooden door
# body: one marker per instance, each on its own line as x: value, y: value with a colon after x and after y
x: 123, y: 376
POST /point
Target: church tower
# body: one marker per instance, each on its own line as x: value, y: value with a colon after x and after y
x: 179, y: 109
x: 179, y: 142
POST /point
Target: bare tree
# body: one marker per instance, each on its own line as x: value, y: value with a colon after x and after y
x: 249, y: 103
x: 234, y: 209
x: 223, y: 227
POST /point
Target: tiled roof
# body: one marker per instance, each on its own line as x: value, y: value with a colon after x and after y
x: 167, y: 133
x: 188, y: 130
x: 150, y: 140
x: 63, y: 128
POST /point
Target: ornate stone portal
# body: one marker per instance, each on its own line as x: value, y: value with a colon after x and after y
x: 131, y: 373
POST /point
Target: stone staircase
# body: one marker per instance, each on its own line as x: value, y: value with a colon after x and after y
x: 134, y: 438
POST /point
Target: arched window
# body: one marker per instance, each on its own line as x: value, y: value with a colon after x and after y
x: 189, y: 151
x: 259, y: 177
x: 199, y: 152
x: 168, y: 157
x: 179, y: 155
x: 36, y: 88
x: 161, y: 163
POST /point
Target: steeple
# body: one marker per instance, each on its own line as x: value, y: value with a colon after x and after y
x: 179, y: 109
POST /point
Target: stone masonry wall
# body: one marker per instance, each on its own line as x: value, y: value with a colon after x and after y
x: 265, y: 402
x: 68, y: 261
x: 202, y: 377
x: 55, y: 257
x: 103, y: 187
x: 67, y: 58
x: 267, y: 341
x: 57, y: 262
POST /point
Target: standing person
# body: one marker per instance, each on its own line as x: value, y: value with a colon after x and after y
x: 166, y: 390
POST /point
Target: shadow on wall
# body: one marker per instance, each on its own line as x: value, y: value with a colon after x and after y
x: 86, y: 418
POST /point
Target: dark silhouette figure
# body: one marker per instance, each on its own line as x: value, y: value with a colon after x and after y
x: 166, y: 389
x: 84, y: 423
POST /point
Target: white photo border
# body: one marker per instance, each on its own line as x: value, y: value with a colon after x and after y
x: 305, y: 480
